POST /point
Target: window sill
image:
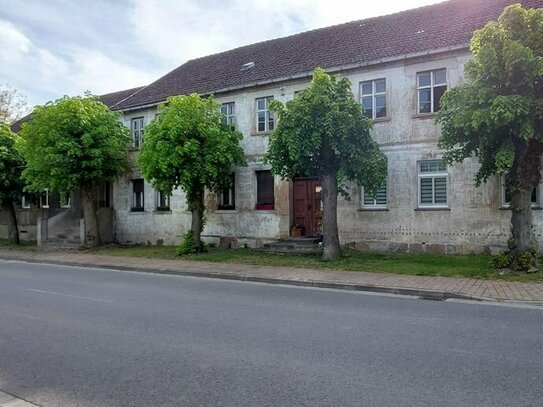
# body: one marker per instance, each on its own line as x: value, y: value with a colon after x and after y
x: 373, y: 210
x: 423, y: 115
x: 225, y: 210
x: 137, y: 210
x: 508, y: 208
x: 133, y: 149
x: 382, y: 120
x: 261, y: 133
x: 432, y: 208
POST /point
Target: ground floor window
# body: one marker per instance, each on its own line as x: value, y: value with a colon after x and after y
x: 227, y: 197
x: 265, y: 198
x: 138, y: 199
x: 506, y: 195
x: 162, y: 201
x: 378, y: 200
x: 433, y: 183
x: 44, y: 199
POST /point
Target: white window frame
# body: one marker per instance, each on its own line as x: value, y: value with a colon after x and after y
x: 228, y: 111
x: 137, y: 132
x: 68, y: 204
x: 268, y: 115
x: 432, y: 87
x: 231, y: 205
x: 166, y: 200
x: 46, y: 205
x: 135, y: 208
x: 374, y: 94
x: 25, y: 202
x: 506, y: 204
x: 433, y: 176
x: 374, y: 205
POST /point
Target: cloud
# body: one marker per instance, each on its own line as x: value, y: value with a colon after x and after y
x: 14, y: 43
x: 64, y: 47
x: 186, y: 29
x: 44, y: 75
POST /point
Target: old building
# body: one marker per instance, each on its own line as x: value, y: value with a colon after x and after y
x: 399, y: 66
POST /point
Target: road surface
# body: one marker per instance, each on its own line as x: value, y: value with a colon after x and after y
x: 87, y: 337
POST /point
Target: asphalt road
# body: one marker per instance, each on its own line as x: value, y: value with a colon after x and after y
x: 86, y: 337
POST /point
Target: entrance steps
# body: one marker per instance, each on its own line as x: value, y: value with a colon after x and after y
x: 301, y: 245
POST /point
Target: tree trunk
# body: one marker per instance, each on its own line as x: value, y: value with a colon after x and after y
x: 13, y: 229
x: 197, y: 221
x: 524, y: 176
x: 92, y: 233
x: 332, y: 250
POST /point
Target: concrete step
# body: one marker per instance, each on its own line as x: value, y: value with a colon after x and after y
x: 302, y: 245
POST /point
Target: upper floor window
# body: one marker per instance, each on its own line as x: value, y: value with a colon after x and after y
x: 433, y: 183
x: 228, y: 111
x: 264, y: 116
x: 431, y: 85
x: 265, y: 197
x: 227, y: 197
x: 379, y: 200
x: 373, y: 98
x: 137, y: 131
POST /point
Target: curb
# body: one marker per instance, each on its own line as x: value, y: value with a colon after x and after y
x: 435, y: 295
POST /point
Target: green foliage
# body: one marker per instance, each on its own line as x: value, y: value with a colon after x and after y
x: 323, y: 130
x: 11, y: 166
x: 189, y: 245
x: 501, y: 261
x: 500, y: 109
x: 188, y: 146
x: 71, y: 143
x: 508, y: 259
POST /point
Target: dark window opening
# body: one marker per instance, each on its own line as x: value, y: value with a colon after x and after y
x: 138, y: 201
x: 227, y: 198
x: 265, y: 198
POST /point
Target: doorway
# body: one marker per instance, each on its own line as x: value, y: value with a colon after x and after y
x: 308, y: 205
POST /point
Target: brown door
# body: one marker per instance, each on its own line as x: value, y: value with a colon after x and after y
x: 307, y: 205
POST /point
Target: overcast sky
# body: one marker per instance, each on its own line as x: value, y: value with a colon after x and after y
x: 50, y: 48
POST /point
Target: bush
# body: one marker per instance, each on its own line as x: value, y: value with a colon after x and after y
x: 189, y: 246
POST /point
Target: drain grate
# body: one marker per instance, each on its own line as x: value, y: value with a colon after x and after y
x: 431, y: 298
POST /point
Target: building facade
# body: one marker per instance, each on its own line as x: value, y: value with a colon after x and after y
x: 399, y: 67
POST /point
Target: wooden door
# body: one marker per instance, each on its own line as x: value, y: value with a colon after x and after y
x: 307, y: 205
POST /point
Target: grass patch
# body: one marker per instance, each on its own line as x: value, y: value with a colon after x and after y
x: 427, y: 264
x: 24, y: 245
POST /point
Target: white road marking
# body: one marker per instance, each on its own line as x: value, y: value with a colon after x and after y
x: 70, y: 295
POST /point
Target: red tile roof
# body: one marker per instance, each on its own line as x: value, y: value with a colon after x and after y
x: 442, y: 26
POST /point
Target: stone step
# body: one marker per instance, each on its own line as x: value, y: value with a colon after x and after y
x: 303, y: 245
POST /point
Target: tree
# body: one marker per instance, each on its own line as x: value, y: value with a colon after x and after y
x: 497, y: 116
x: 11, y: 185
x: 72, y: 144
x: 187, y: 145
x: 323, y: 132
x: 12, y: 104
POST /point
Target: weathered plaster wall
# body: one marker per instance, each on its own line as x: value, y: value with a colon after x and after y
x: 473, y: 221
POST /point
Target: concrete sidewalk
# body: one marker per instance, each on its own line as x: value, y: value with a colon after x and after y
x: 428, y: 287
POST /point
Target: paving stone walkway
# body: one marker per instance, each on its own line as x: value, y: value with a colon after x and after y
x: 436, y: 287
x: 8, y: 400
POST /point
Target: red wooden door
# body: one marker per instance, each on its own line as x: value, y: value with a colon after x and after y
x: 307, y: 205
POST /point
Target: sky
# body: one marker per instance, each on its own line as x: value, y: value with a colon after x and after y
x: 51, y: 48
